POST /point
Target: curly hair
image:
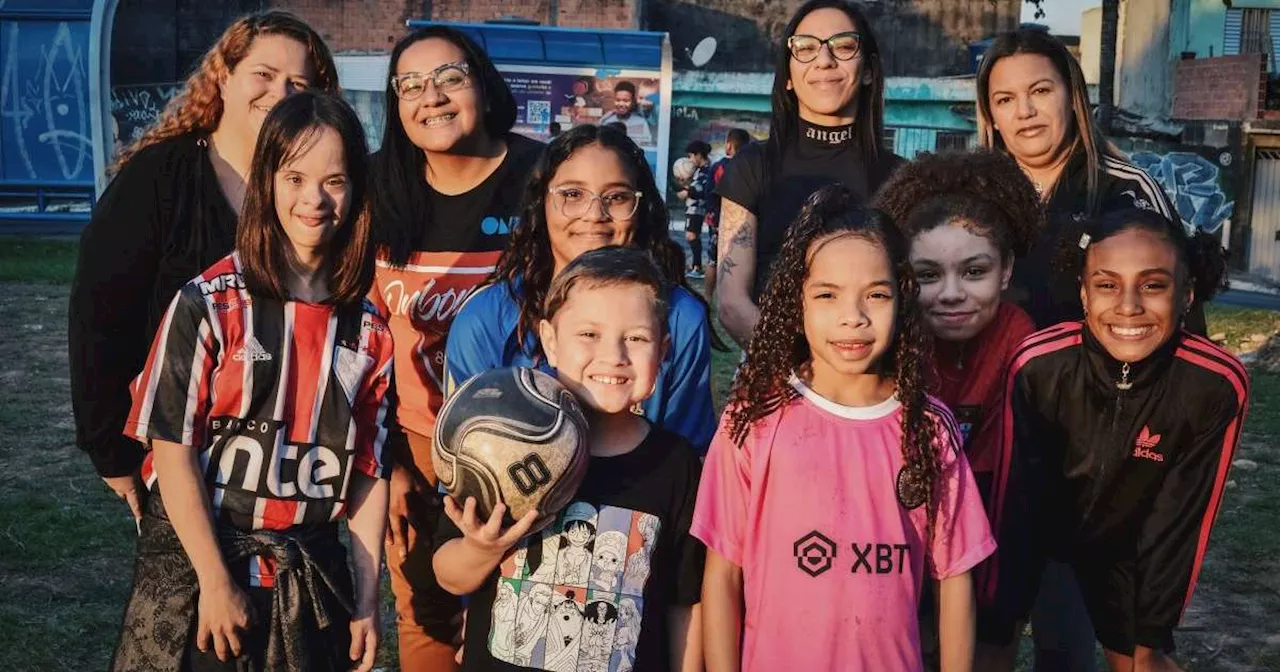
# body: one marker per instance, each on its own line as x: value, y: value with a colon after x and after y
x: 983, y: 190
x: 527, y: 261
x: 1202, y: 263
x: 198, y: 107
x: 779, y: 346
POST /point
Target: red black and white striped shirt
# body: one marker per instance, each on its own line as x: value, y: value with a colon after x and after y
x: 1126, y: 479
x: 284, y: 400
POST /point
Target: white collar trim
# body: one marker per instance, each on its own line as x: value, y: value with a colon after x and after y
x: 875, y: 412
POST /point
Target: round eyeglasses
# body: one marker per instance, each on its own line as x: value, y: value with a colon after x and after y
x: 843, y: 46
x: 617, y: 204
x: 447, y: 78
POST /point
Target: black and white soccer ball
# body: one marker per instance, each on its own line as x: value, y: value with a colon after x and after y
x: 512, y: 435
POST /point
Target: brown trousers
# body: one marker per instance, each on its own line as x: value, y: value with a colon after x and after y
x: 427, y: 616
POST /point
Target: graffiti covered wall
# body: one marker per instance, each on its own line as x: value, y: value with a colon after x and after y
x: 1199, y: 180
x: 44, y: 102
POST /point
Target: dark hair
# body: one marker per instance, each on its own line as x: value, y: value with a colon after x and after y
x: 609, y: 267
x: 554, y: 128
x: 1040, y: 42
x: 698, y: 147
x: 1202, y: 263
x: 625, y: 85
x: 778, y: 346
x: 737, y: 137
x: 784, y: 125
x: 617, y: 126
x: 291, y: 129
x: 399, y: 198
x: 527, y: 261
x: 982, y: 189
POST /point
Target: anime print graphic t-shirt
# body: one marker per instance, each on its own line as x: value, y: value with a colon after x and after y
x: 832, y: 557
x: 591, y: 591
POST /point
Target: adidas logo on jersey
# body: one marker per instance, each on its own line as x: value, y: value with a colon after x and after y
x: 1144, y: 446
x: 252, y: 352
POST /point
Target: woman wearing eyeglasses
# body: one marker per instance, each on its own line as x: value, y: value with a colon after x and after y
x: 445, y: 192
x: 591, y: 188
x: 827, y: 125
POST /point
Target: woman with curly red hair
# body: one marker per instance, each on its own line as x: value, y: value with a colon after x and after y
x: 169, y: 214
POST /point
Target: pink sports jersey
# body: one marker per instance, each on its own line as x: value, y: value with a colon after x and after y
x: 832, y: 561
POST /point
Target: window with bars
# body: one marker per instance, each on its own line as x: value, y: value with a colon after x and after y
x: 952, y: 140
x: 1252, y: 31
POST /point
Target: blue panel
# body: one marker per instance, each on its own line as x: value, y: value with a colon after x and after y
x: 573, y: 48
x: 589, y: 48
x: 511, y: 45
x: 38, y: 7
x: 633, y: 50
x: 44, y: 101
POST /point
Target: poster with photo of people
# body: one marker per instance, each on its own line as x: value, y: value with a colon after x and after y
x: 570, y: 96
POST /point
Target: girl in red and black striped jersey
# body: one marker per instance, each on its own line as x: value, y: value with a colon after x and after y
x: 265, y: 404
x: 968, y: 215
x: 1118, y: 433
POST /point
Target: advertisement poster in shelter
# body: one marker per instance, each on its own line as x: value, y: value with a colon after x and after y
x: 569, y: 96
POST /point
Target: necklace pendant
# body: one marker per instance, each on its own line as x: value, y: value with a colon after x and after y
x: 1123, y: 383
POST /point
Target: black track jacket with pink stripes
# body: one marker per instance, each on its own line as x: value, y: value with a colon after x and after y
x: 1133, y: 476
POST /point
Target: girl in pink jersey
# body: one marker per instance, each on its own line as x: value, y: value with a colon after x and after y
x: 835, y: 480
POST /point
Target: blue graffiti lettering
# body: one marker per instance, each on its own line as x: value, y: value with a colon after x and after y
x: 1194, y: 185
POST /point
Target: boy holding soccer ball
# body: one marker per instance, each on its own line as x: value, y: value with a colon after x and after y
x: 613, y: 583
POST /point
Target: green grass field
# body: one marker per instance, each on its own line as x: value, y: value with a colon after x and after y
x: 66, y: 545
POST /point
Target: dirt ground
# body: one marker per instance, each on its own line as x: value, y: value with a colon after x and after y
x: 66, y: 546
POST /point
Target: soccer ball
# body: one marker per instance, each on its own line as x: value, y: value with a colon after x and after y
x: 516, y: 436
x: 683, y: 168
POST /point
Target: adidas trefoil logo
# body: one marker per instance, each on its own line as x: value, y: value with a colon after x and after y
x: 252, y: 352
x: 1144, y: 447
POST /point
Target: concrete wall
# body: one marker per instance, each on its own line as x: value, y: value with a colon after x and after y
x: 1091, y: 43
x: 1143, y: 79
x: 917, y: 37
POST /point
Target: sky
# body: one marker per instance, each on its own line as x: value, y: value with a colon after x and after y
x: 1062, y: 16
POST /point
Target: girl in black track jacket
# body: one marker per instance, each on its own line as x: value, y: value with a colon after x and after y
x: 1118, y: 436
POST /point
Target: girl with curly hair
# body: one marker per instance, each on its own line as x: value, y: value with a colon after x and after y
x: 590, y: 188
x: 169, y: 213
x: 1118, y: 432
x: 831, y: 443
x: 967, y: 215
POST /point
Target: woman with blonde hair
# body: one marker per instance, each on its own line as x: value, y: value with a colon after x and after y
x: 169, y: 213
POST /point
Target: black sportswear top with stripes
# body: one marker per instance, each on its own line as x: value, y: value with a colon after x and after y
x: 1048, y: 293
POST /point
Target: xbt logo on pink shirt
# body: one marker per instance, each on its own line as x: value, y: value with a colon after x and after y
x: 816, y: 554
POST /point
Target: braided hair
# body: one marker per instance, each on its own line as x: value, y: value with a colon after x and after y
x: 779, y: 347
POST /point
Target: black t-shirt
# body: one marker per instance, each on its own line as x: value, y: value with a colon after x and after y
x: 821, y: 156
x: 494, y: 203
x: 591, y: 591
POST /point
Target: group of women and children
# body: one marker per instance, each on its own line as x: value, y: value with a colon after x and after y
x: 975, y: 392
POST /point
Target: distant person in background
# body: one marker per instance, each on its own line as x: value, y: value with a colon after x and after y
x: 626, y: 110
x: 695, y: 195
x: 554, y: 129
x: 169, y: 213
x: 734, y: 141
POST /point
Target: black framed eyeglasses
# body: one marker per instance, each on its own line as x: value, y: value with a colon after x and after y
x: 448, y: 78
x: 573, y: 202
x: 843, y: 46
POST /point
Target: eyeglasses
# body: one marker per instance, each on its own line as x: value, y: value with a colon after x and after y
x: 843, y: 46
x: 448, y: 78
x: 574, y: 202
